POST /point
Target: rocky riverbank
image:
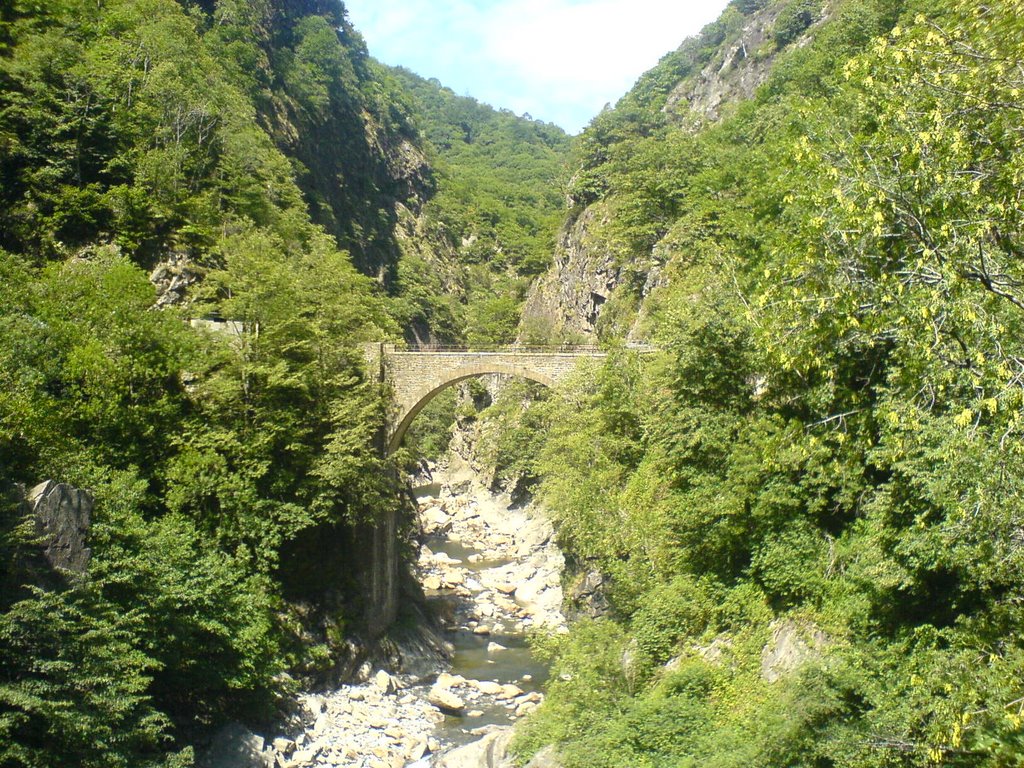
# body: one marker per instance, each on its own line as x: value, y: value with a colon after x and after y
x: 510, y: 580
x: 492, y: 573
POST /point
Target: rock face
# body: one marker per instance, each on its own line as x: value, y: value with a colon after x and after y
x: 587, y: 598
x: 792, y: 645
x: 62, y: 515
x: 566, y: 301
x: 732, y: 75
x: 172, y: 277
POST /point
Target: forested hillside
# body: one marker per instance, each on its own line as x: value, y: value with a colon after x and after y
x: 499, y: 204
x: 500, y: 199
x: 166, y: 167
x: 799, y: 518
x: 806, y: 508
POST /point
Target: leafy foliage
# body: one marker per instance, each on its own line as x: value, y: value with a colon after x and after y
x: 500, y: 197
x: 143, y: 133
x: 828, y: 439
x: 498, y: 204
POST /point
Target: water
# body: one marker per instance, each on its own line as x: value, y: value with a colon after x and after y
x: 427, y: 491
x: 473, y: 660
x: 463, y: 553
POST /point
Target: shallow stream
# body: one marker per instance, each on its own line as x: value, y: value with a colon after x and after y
x: 476, y: 656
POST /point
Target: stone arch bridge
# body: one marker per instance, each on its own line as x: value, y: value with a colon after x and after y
x: 417, y: 374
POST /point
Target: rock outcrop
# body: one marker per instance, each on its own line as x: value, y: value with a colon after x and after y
x: 235, y: 746
x: 566, y: 302
x: 62, y: 515
x: 489, y: 752
x: 587, y: 598
x: 172, y: 277
x: 737, y: 70
x: 792, y: 645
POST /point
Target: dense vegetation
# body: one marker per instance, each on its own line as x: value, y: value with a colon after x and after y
x: 169, y: 161
x: 498, y: 207
x: 230, y: 465
x: 825, y: 452
x: 825, y: 455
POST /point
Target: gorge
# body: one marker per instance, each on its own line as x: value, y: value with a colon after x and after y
x: 774, y: 490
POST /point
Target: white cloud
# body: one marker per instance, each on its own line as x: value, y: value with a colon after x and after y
x: 559, y: 60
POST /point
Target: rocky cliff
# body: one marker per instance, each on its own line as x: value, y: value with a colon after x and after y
x: 698, y: 84
x: 566, y: 301
x: 743, y: 61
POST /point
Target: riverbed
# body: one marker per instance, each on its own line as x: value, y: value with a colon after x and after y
x: 491, y: 575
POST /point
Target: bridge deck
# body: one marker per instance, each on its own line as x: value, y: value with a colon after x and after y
x: 562, y: 349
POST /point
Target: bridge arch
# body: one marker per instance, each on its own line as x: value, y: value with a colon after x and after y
x: 404, y: 420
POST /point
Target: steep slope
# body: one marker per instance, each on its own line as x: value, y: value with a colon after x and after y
x: 499, y: 200
x: 337, y: 115
x: 205, y: 207
x: 229, y: 161
x: 804, y: 510
x: 610, y: 238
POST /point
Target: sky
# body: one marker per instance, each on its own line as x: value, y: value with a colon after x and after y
x: 560, y: 61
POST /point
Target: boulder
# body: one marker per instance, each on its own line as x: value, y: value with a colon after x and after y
x: 435, y: 520
x: 489, y: 687
x: 432, y: 583
x: 792, y: 645
x: 62, y: 516
x: 445, y: 700
x: 488, y: 752
x: 322, y: 722
x: 510, y: 691
x: 453, y: 578
x: 416, y: 748
x: 525, y: 708
x: 235, y: 746
x: 385, y: 682
x: 448, y: 680
x: 284, y: 746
